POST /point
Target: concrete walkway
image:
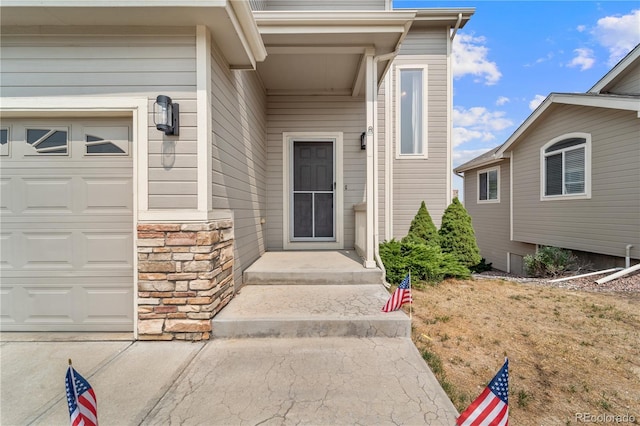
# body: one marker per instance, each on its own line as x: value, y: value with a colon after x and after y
x: 270, y: 381
x: 304, y: 342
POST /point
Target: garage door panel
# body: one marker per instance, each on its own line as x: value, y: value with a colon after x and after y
x: 6, y: 205
x: 6, y: 253
x: 73, y: 306
x: 108, y: 250
x: 49, y: 195
x: 108, y: 194
x: 53, y: 305
x: 48, y: 250
x: 7, y: 304
x: 109, y: 304
x: 67, y: 227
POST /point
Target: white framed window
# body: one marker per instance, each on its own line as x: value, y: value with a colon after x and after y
x: 565, y: 171
x: 489, y: 185
x: 411, y: 111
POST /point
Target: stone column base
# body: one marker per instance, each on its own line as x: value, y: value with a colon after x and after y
x: 185, y: 277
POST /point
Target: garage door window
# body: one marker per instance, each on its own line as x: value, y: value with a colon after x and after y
x: 107, y: 141
x: 48, y: 141
x: 4, y: 141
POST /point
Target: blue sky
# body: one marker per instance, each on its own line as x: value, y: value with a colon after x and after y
x: 512, y: 54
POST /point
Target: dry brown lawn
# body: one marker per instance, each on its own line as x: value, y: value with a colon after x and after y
x: 573, y: 355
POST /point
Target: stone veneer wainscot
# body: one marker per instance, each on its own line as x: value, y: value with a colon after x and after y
x: 185, y: 277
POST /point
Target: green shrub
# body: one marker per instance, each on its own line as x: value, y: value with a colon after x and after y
x: 483, y: 266
x: 456, y: 235
x: 424, y: 262
x: 549, y: 261
x: 422, y: 229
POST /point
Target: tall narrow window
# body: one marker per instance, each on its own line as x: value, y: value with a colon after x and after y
x: 565, y: 166
x: 488, y: 187
x: 411, y: 115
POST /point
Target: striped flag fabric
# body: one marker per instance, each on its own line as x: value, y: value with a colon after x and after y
x: 81, y: 399
x: 399, y: 297
x: 491, y: 408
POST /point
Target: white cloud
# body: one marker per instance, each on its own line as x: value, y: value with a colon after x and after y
x: 502, y: 100
x: 477, y: 124
x: 469, y: 56
x: 581, y: 28
x: 464, y: 155
x: 583, y: 59
x: 619, y: 34
x: 536, y: 101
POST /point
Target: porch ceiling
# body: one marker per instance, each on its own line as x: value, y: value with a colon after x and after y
x: 323, y: 53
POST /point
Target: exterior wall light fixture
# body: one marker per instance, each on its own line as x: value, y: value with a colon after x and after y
x: 166, y: 115
x: 363, y: 140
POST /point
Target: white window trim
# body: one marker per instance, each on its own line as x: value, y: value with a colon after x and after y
x: 425, y: 110
x: 287, y: 145
x: 497, y: 200
x: 586, y: 195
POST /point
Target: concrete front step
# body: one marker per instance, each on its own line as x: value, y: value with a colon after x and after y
x: 311, y: 268
x: 310, y: 311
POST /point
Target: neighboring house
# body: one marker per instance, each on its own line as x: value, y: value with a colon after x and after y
x: 568, y: 177
x: 302, y: 125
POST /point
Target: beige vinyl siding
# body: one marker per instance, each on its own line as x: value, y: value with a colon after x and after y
x: 117, y: 61
x: 629, y: 83
x: 239, y: 156
x: 417, y: 180
x: 325, y: 5
x: 315, y: 114
x: 608, y: 221
x: 425, y: 41
x: 491, y: 220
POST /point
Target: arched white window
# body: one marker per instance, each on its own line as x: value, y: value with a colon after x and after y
x: 566, y: 167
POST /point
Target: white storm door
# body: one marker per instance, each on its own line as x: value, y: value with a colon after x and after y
x: 313, y: 191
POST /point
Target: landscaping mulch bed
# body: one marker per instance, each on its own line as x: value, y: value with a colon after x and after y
x: 627, y: 284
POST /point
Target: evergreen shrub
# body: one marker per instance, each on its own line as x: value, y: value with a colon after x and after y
x: 422, y: 229
x: 549, y: 261
x: 456, y: 235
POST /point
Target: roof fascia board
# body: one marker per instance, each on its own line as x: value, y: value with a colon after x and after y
x: 114, y: 3
x: 249, y: 29
x: 628, y: 104
x: 491, y: 160
x: 296, y: 19
x: 616, y: 71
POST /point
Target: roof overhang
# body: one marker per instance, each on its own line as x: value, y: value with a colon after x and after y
x: 621, y: 69
x: 322, y: 53
x: 625, y: 103
x: 230, y: 22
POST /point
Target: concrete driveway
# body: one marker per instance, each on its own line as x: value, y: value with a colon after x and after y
x: 270, y: 381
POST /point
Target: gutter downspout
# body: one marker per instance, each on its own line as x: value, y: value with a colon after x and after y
x: 627, y: 259
x: 376, y: 214
x: 384, y: 57
x: 457, y: 27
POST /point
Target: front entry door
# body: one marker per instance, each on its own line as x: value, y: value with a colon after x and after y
x: 313, y: 191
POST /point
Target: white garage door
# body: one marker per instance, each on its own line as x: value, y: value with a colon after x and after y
x: 66, y: 208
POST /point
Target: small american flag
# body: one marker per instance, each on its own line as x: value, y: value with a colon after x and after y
x: 399, y: 297
x: 491, y: 408
x: 83, y: 408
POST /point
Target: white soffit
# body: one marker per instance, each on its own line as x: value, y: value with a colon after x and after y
x: 322, y: 52
x: 229, y: 25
